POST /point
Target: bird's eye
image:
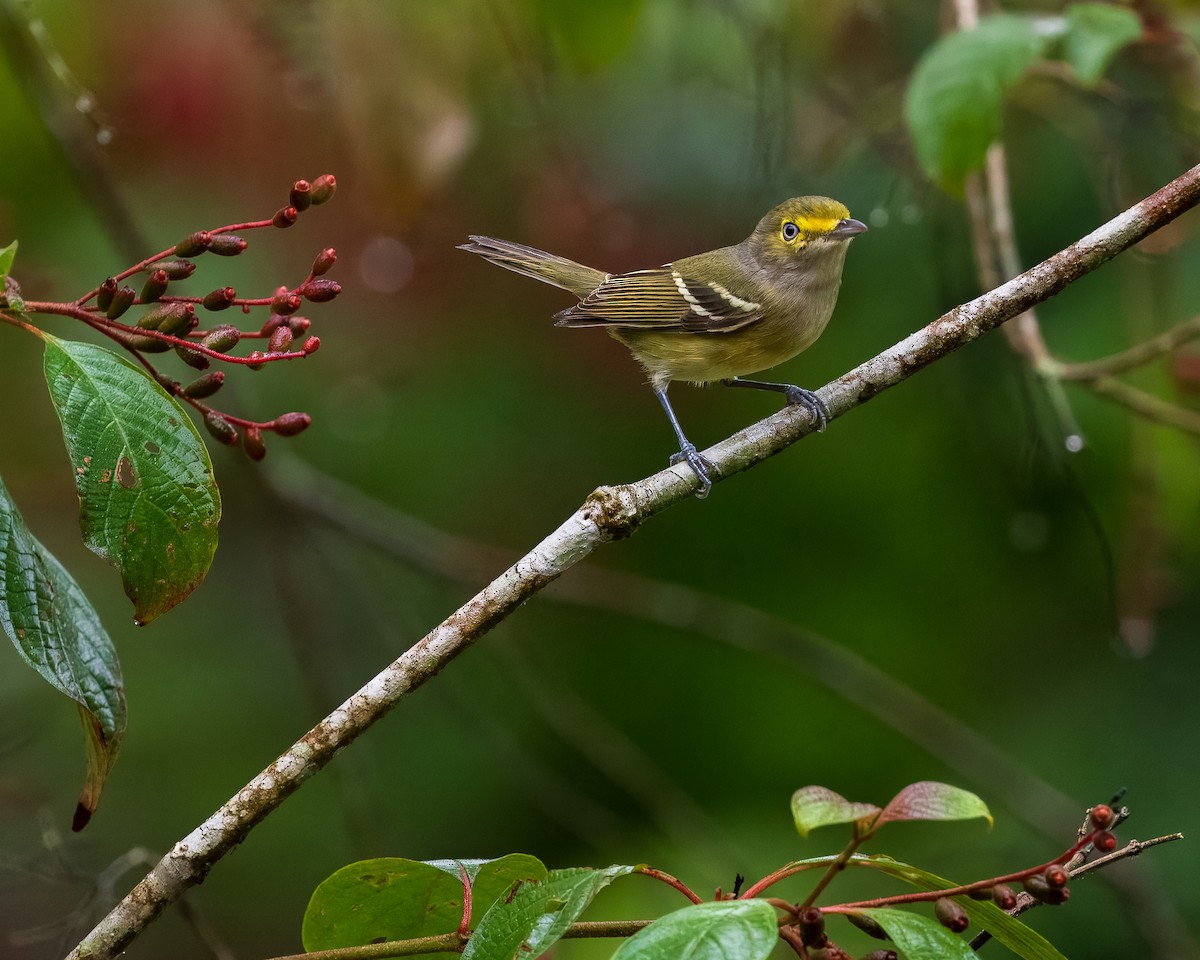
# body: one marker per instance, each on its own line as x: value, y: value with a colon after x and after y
x: 790, y: 231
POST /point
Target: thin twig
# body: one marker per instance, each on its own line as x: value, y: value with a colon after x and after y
x: 609, y: 513
x: 451, y: 942
x: 1146, y: 404
x: 1136, y: 356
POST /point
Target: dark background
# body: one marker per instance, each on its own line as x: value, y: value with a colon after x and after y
x: 939, y: 533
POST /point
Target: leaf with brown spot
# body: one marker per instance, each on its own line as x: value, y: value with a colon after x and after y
x: 157, y: 524
x: 57, y: 632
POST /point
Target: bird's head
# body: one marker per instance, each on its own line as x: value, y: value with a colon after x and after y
x: 798, y: 228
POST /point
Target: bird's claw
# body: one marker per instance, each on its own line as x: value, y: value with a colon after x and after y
x: 799, y: 397
x: 700, y: 465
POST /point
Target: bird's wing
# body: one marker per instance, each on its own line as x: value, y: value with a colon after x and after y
x: 661, y: 299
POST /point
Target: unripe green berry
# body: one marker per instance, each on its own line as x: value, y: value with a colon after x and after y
x: 222, y: 339
x: 951, y: 915
x: 193, y: 245
x: 193, y: 358
x: 227, y: 245
x: 220, y: 299
x: 122, y: 300
x: 155, y: 286
x: 104, y: 296
x: 867, y: 925
x: 176, y: 269
x: 323, y: 188
x: 204, y: 386
x: 221, y: 428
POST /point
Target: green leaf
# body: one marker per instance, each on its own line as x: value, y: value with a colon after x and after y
x: 397, y: 899
x: 57, y: 632
x: 7, y: 255
x: 929, y: 800
x: 955, y: 98
x: 538, y: 915
x: 815, y: 806
x: 148, y: 501
x: 1018, y: 937
x: 746, y: 929
x: 920, y: 937
x: 1097, y: 32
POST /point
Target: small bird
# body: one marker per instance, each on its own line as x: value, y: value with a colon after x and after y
x: 715, y: 316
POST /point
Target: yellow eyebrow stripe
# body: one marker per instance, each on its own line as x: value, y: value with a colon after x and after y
x: 816, y: 225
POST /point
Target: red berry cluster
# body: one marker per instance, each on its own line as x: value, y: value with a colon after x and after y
x: 170, y: 321
x: 805, y: 931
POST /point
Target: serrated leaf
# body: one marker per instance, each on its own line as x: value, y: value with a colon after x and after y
x: 930, y: 800
x: 955, y: 98
x: 538, y: 915
x: 58, y: 633
x: 815, y: 806
x: 1096, y: 33
x: 397, y: 899
x: 920, y: 937
x: 746, y: 929
x: 148, y: 501
x: 1018, y: 937
x: 7, y: 255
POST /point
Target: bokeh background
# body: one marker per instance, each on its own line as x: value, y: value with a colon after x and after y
x: 939, y: 536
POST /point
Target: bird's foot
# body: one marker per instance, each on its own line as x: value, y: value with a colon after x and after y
x: 799, y: 397
x: 700, y: 465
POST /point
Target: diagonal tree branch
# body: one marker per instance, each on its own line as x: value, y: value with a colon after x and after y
x: 609, y: 513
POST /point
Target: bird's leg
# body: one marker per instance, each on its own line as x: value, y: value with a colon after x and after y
x: 796, y: 397
x: 687, y: 450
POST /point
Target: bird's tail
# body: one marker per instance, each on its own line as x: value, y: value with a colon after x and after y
x: 539, y: 264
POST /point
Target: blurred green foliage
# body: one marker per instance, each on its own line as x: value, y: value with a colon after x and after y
x: 1045, y: 601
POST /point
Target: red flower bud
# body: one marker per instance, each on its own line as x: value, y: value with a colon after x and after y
x: 951, y: 915
x: 324, y: 262
x: 227, y: 245
x: 1056, y: 875
x: 252, y: 443
x: 311, y: 345
x: 104, y: 296
x: 222, y: 339
x: 1105, y: 841
x: 281, y: 339
x: 290, y: 424
x: 284, y: 217
x: 220, y: 299
x: 193, y: 245
x: 256, y: 359
x: 155, y: 286
x: 301, y: 195
x: 1039, y: 888
x: 298, y: 325
x: 319, y: 291
x: 167, y: 383
x: 284, y: 302
x: 221, y: 428
x: 122, y: 300
x: 811, y: 922
x: 1003, y: 896
x: 204, y: 386
x: 323, y: 188
x: 1102, y: 816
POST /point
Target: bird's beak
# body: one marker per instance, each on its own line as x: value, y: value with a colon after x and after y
x: 848, y: 228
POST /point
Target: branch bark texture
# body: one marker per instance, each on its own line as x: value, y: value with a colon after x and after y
x: 609, y: 513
